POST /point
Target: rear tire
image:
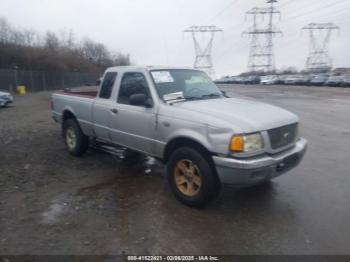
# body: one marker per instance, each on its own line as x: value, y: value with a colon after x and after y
x: 77, y: 143
x: 192, y: 177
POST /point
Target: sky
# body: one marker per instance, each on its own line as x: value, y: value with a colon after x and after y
x: 152, y: 31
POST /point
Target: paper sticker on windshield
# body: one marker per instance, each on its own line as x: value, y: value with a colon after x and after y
x: 162, y: 77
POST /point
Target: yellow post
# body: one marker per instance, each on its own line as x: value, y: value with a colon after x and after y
x: 22, y: 90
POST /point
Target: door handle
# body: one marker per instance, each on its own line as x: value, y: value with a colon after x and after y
x: 114, y: 111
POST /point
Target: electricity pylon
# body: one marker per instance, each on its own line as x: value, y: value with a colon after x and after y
x: 261, y: 54
x: 203, y: 50
x: 320, y: 35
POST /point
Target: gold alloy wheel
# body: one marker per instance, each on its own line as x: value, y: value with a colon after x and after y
x: 71, y: 138
x: 187, y: 177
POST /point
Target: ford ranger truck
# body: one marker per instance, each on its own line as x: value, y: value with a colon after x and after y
x: 179, y: 116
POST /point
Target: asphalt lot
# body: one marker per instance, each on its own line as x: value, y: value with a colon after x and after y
x: 53, y: 203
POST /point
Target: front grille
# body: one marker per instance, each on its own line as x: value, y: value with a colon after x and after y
x: 283, y: 136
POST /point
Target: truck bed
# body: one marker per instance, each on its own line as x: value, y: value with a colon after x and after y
x: 87, y: 94
x: 79, y: 102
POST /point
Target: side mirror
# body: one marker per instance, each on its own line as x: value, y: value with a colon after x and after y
x: 140, y: 100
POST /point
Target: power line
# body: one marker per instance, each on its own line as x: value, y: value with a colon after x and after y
x: 336, y: 15
x: 222, y: 54
x: 286, y: 3
x: 222, y: 11
x: 321, y: 18
x: 314, y: 10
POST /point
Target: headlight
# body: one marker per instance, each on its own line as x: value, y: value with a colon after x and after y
x: 246, y: 143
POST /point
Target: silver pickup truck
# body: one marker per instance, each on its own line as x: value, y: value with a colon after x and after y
x: 179, y: 116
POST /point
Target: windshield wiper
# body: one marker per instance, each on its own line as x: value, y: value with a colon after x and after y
x: 210, y: 95
x: 175, y: 99
x: 191, y: 98
x: 183, y: 99
x: 202, y: 96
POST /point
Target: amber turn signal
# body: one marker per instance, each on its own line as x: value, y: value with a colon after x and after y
x: 237, y: 144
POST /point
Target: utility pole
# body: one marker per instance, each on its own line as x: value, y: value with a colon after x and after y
x: 261, y: 54
x: 320, y: 35
x: 203, y: 58
x: 270, y: 33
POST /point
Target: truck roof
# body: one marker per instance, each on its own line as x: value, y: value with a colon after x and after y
x: 150, y: 67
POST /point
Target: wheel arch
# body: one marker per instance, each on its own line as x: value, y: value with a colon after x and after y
x: 182, y: 141
x: 68, y: 114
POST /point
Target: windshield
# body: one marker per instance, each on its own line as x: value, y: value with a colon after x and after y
x: 184, y: 84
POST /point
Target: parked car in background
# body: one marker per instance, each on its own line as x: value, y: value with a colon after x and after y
x: 269, y: 80
x: 251, y: 80
x: 238, y: 79
x: 291, y: 80
x: 223, y: 80
x: 179, y: 116
x: 318, y: 80
x: 3, y: 102
x: 297, y: 80
x: 5, y: 98
x: 335, y: 81
x: 281, y: 79
x: 228, y: 80
x: 234, y: 80
x: 244, y: 80
x: 346, y: 81
x: 304, y: 80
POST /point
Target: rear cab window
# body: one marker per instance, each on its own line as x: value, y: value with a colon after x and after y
x: 107, y: 85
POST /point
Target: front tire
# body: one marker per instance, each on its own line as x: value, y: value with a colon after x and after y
x: 77, y: 143
x: 192, y: 177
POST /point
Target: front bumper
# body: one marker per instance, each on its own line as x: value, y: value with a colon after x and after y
x: 251, y: 171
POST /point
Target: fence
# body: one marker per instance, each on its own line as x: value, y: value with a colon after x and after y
x: 41, y: 80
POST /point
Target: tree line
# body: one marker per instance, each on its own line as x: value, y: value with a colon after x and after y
x: 26, y: 49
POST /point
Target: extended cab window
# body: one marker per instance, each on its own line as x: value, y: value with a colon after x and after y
x: 107, y: 85
x: 132, y: 83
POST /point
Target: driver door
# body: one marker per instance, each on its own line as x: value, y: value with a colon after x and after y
x: 131, y: 125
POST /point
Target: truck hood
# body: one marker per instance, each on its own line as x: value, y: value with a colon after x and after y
x: 241, y: 115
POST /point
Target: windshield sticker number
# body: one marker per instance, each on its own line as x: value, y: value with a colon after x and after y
x: 162, y: 77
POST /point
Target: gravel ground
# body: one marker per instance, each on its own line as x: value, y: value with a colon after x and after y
x: 53, y: 203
